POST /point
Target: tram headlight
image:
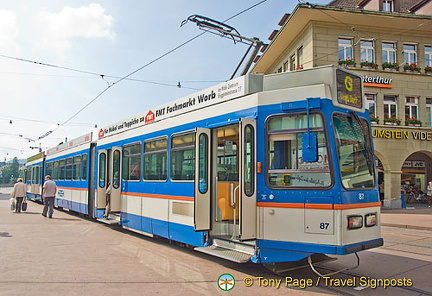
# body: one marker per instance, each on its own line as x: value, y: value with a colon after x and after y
x: 370, y: 220
x: 355, y: 222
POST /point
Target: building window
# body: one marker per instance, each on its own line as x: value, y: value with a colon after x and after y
x: 428, y: 111
x: 292, y: 62
x: 390, y: 106
x: 410, y: 54
x: 388, y: 52
x: 371, y: 103
x: 285, y: 66
x: 428, y: 55
x: 345, y: 48
x: 411, y: 107
x: 387, y: 5
x: 367, y: 53
x: 300, y: 58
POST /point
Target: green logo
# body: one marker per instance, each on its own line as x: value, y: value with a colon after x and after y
x: 226, y: 282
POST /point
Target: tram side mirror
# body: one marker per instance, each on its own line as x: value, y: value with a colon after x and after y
x: 309, y: 147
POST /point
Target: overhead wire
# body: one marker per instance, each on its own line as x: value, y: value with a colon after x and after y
x: 142, y: 67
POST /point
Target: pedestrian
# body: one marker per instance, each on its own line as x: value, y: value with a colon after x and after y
x: 19, y: 193
x: 48, y: 195
x: 429, y: 193
x: 108, y: 201
x: 381, y: 191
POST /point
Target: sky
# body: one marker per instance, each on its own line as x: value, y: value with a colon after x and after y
x: 61, y: 62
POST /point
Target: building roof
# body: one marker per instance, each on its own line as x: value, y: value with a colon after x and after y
x: 306, y: 14
x: 401, y: 6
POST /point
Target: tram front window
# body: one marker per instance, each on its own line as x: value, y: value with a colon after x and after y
x: 286, y: 166
x: 354, y: 150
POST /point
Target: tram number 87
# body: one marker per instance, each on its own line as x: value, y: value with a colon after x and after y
x: 324, y: 225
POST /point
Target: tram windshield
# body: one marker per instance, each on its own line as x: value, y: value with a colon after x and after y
x: 354, y: 150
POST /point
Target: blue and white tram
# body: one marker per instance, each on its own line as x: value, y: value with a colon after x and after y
x: 265, y: 169
x: 69, y: 166
x: 33, y: 175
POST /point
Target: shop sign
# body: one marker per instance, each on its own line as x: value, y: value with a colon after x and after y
x: 414, y: 164
x: 377, y: 81
x: 395, y: 134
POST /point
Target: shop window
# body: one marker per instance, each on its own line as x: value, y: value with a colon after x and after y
x: 345, y: 48
x: 388, y: 52
x: 390, y: 106
x: 367, y: 51
x: 410, y: 54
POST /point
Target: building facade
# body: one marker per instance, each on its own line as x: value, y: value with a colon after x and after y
x: 390, y: 44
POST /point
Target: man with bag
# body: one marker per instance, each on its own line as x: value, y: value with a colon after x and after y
x: 48, y: 195
x: 19, y: 193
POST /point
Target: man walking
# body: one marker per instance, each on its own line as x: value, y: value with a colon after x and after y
x: 48, y: 196
x: 19, y: 193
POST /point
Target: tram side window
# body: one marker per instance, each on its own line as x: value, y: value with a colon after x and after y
x: 49, y: 169
x: 102, y: 170
x: 68, y: 168
x: 155, y: 159
x: 27, y: 175
x: 76, y: 167
x: 84, y: 167
x: 183, y: 157
x: 286, y: 168
x: 35, y: 175
x: 131, y: 162
x: 62, y: 169
x: 55, y: 174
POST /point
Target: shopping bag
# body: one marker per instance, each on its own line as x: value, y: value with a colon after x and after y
x: 12, y: 203
x: 24, y: 206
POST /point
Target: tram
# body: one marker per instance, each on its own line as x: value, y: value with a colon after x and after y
x: 265, y: 169
x: 33, y: 176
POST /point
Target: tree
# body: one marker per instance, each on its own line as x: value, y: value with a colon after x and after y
x: 11, y: 172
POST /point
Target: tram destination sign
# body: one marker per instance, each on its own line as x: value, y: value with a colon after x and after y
x: 349, y: 89
x: 231, y: 89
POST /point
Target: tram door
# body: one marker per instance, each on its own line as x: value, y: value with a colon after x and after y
x: 226, y: 198
x: 109, y: 174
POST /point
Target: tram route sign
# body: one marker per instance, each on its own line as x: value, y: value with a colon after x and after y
x: 349, y: 89
x: 225, y: 91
